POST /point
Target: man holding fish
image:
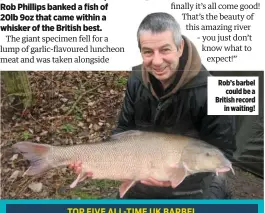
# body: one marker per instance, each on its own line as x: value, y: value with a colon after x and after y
x: 165, y: 145
x: 168, y: 93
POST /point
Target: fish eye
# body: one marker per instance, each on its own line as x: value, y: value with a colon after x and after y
x: 207, y: 154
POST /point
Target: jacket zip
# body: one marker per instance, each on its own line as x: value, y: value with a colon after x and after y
x: 158, y: 108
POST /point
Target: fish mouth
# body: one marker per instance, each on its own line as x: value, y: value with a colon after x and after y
x: 224, y: 169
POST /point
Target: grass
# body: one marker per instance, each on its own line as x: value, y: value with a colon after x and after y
x: 83, y: 195
x: 121, y: 81
x: 105, y: 183
x: 68, y: 128
x: 93, y: 189
x: 26, y: 135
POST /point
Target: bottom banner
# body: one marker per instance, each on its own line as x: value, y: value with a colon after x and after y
x: 132, y: 206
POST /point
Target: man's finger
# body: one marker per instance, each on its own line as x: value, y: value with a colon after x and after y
x: 147, y: 183
x: 75, y: 164
x: 153, y: 182
x: 78, y: 170
x: 156, y: 182
x: 78, y: 163
x: 89, y: 174
x: 166, y: 184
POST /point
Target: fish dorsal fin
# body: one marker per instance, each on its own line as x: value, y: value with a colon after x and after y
x: 128, y: 133
x: 125, y: 186
x: 177, y: 175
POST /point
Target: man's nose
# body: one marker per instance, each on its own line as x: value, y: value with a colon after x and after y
x: 157, y: 59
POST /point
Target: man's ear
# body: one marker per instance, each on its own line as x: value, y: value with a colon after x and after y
x: 181, y: 48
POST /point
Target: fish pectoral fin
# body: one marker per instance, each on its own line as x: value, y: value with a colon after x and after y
x: 82, y: 176
x: 177, y: 175
x: 125, y: 186
x: 73, y: 185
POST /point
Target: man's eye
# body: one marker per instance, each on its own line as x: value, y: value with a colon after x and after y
x: 165, y: 50
x: 147, y: 52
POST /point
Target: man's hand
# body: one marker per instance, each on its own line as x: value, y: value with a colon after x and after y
x: 77, y: 167
x: 153, y: 182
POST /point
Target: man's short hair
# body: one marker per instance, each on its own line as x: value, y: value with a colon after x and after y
x: 158, y: 23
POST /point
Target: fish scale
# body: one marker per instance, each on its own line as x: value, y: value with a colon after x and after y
x: 123, y: 154
x: 132, y: 155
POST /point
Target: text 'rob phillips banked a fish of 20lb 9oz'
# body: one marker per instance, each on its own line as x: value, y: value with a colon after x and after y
x: 49, y: 17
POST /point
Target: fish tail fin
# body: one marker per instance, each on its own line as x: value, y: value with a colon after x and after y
x: 37, y: 154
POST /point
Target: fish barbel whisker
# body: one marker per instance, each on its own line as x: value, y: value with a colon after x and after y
x: 233, y: 171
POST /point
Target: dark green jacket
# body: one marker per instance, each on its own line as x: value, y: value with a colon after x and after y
x: 183, y: 111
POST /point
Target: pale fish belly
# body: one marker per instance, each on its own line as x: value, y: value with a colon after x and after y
x: 132, y: 165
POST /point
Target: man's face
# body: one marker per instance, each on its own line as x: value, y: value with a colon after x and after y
x: 160, y: 54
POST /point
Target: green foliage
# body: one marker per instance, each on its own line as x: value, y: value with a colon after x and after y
x: 26, y: 135
x: 68, y: 128
x: 84, y: 195
x: 78, y: 113
x: 121, y: 81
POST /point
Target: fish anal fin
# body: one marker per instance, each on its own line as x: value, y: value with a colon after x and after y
x: 177, y: 175
x: 125, y: 186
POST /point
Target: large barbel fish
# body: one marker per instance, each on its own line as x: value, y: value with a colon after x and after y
x: 132, y: 156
